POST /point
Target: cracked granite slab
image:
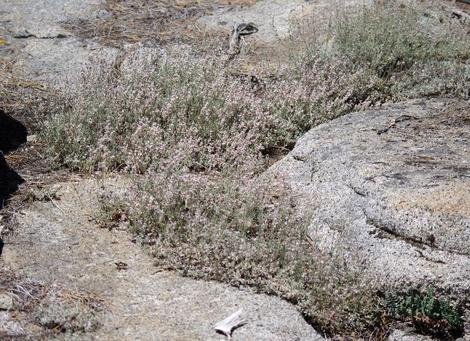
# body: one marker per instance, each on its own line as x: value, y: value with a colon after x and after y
x: 390, y: 187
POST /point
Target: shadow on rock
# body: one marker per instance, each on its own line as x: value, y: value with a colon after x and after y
x: 12, y: 134
x: 9, y: 180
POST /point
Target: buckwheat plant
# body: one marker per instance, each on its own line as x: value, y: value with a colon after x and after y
x: 157, y: 113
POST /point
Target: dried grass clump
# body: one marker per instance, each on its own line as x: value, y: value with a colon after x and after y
x: 25, y: 293
x: 51, y: 309
x: 18, y: 94
x: 65, y: 311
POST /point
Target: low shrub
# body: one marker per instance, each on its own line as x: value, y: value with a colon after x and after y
x: 191, y: 114
x: 193, y: 111
x: 405, y: 49
x: 247, y: 233
x: 391, y: 38
x: 429, y: 313
x: 165, y: 112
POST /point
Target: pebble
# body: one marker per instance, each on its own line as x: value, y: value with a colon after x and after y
x: 6, y: 302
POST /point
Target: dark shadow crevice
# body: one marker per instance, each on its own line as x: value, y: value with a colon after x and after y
x: 12, y: 135
x: 9, y: 181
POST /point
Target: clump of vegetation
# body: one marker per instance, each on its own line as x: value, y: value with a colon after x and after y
x: 189, y: 112
x: 405, y: 47
x: 64, y: 311
x: 389, y: 39
x: 163, y: 112
x: 429, y: 313
x: 49, y: 308
x: 196, y: 137
x: 193, y: 108
x: 398, y: 50
x: 247, y: 234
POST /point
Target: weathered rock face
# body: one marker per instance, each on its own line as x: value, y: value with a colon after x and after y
x: 42, y: 18
x: 391, y: 188
x: 38, y: 45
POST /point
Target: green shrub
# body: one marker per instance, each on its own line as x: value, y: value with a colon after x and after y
x: 429, y: 313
